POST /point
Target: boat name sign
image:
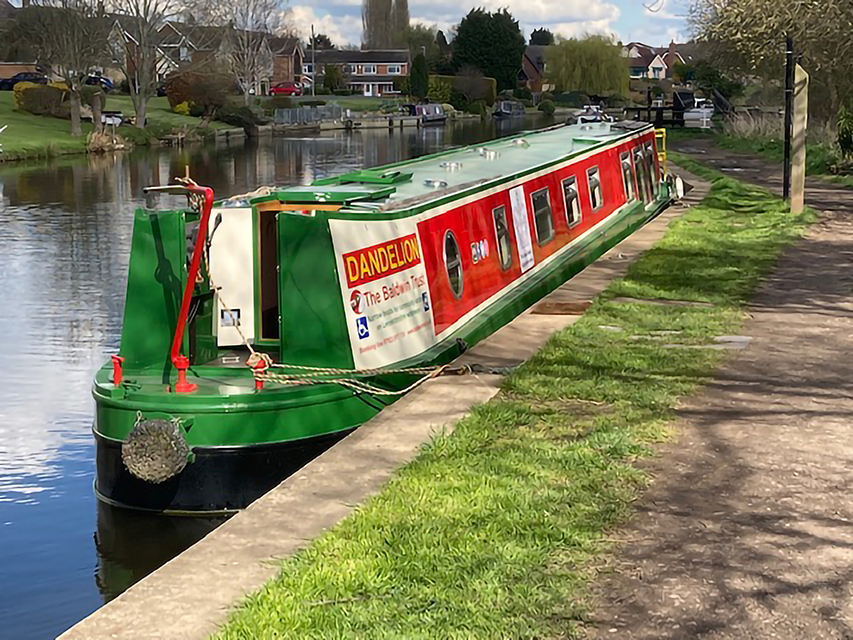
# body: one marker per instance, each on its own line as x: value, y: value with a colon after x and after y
x: 384, y: 288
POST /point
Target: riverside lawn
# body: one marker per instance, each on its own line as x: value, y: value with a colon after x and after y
x: 494, y: 530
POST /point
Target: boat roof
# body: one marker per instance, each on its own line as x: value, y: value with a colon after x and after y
x: 415, y: 182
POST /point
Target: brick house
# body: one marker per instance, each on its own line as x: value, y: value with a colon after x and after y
x: 370, y: 72
x: 657, y: 63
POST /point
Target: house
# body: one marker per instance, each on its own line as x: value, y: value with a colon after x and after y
x: 184, y: 45
x: 370, y: 72
x: 532, y: 72
x: 657, y: 63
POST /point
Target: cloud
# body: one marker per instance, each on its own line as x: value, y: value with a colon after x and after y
x: 341, y: 29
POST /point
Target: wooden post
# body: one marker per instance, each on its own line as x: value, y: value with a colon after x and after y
x: 798, y: 139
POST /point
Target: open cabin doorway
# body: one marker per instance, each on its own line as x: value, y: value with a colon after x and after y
x: 268, y: 322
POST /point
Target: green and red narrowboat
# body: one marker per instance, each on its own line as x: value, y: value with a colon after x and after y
x: 259, y: 328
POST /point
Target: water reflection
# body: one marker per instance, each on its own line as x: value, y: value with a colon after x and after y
x: 64, y: 240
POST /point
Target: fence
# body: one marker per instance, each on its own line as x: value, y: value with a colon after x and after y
x: 308, y: 115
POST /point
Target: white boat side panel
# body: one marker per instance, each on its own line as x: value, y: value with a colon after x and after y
x: 232, y: 269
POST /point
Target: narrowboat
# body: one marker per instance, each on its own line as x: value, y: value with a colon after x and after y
x: 259, y: 327
x: 508, y: 109
x: 431, y: 113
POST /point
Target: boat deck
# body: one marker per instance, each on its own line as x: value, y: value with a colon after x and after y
x: 397, y: 186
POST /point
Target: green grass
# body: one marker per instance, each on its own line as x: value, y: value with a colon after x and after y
x: 30, y: 136
x: 492, y: 531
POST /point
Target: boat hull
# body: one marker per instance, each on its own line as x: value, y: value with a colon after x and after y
x: 219, y: 480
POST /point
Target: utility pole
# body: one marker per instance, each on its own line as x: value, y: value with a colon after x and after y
x: 789, y: 114
x: 313, y: 63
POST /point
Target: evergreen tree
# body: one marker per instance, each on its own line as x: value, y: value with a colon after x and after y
x: 419, y: 77
x: 542, y: 37
x: 322, y: 42
x: 491, y: 42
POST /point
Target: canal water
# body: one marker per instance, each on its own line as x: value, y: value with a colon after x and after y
x: 65, y: 232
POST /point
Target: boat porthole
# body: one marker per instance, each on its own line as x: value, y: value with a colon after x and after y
x: 453, y: 264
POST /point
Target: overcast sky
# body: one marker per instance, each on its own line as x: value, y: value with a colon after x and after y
x: 628, y: 20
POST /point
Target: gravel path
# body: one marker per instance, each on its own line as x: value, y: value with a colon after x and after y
x: 747, y: 531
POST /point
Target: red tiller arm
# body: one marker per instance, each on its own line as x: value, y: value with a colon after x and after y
x: 207, y: 194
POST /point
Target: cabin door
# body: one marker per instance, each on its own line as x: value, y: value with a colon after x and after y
x: 267, y: 266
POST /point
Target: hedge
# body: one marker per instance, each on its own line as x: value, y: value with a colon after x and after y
x: 486, y: 88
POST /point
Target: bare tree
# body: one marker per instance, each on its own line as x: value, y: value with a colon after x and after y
x: 69, y: 38
x: 137, y: 33
x: 377, y: 18
x: 247, y: 32
x: 749, y: 36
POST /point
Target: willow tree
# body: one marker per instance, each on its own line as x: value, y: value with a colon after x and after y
x: 749, y: 36
x: 592, y: 64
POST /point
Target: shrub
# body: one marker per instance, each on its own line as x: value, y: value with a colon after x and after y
x: 245, y: 117
x: 182, y: 109
x: 124, y: 87
x: 439, y: 89
x: 546, y: 95
x: 18, y: 91
x: 547, y: 107
x: 522, y: 93
x: 401, y: 85
x: 322, y: 91
x: 479, y: 108
x: 458, y: 99
x: 575, y: 99
x: 342, y: 92
x: 526, y: 102
x: 845, y: 130
x: 43, y: 100
x: 178, y: 88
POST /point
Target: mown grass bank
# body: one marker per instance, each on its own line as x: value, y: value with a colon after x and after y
x: 33, y: 137
x: 492, y: 531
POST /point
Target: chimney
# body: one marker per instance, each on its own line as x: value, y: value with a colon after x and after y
x: 671, y: 59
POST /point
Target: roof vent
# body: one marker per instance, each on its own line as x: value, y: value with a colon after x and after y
x: 489, y: 154
x: 521, y: 142
x: 586, y: 127
x: 435, y: 184
x: 451, y: 166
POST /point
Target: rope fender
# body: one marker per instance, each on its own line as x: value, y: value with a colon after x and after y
x: 155, y: 450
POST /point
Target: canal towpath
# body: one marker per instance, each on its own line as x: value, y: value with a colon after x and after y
x: 747, y: 530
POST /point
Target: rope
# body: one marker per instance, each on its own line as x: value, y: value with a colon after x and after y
x: 355, y: 385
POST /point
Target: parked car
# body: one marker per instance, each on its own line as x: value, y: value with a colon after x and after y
x: 286, y: 89
x: 95, y: 80
x: 7, y: 84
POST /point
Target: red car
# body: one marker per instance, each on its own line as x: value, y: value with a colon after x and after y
x: 286, y: 89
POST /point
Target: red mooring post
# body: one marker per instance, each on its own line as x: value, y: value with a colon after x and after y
x: 180, y: 361
x: 117, y: 373
x: 260, y: 367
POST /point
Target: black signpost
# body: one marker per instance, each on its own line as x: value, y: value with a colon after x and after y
x: 789, y: 114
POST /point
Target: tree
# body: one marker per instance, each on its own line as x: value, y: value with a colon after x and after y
x: 247, y: 37
x: 134, y: 43
x: 542, y: 37
x: 69, y: 38
x: 748, y: 37
x: 384, y: 22
x: 491, y: 42
x: 420, y: 39
x: 333, y: 78
x: 419, y: 77
x: 322, y: 42
x: 592, y: 64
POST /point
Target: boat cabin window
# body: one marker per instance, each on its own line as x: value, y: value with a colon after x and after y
x: 596, y: 197
x: 453, y: 264
x: 627, y: 176
x: 542, y: 216
x: 643, y: 176
x: 502, y: 237
x: 653, y: 167
x: 571, y: 200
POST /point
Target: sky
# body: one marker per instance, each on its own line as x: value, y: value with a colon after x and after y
x: 627, y: 20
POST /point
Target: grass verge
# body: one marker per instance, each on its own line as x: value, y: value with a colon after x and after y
x: 492, y: 531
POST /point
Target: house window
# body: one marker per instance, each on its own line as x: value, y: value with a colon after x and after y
x: 596, y: 198
x: 394, y: 69
x: 369, y: 70
x: 571, y: 200
x: 638, y: 72
x: 627, y: 176
x: 542, y: 216
x: 308, y: 68
x: 502, y: 237
x: 453, y: 264
x: 184, y: 54
x: 348, y: 69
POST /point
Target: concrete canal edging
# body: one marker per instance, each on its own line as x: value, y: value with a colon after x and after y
x: 189, y: 597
